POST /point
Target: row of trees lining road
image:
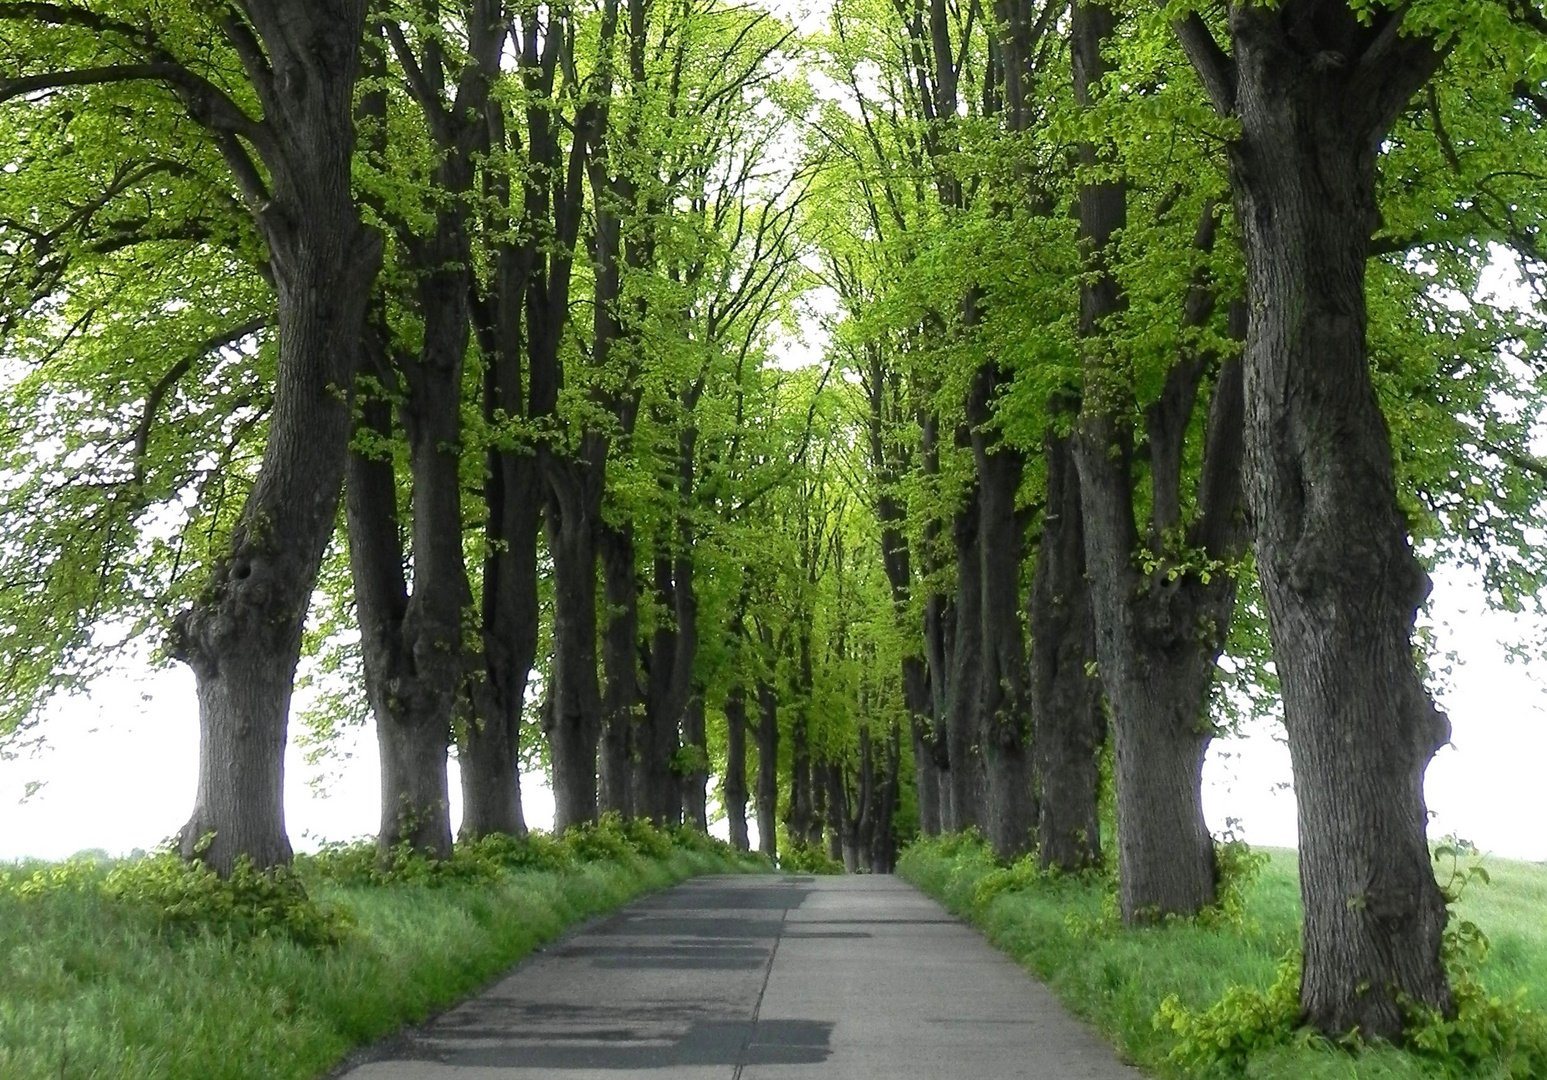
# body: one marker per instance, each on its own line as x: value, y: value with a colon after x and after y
x: 429, y: 349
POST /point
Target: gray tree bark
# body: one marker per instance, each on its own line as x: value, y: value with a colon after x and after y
x: 964, y: 693
x: 767, y: 795
x: 1069, y: 724
x: 736, y: 766
x: 1004, y: 710
x: 1315, y: 97
x: 242, y: 637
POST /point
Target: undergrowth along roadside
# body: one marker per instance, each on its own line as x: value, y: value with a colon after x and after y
x: 154, y: 970
x: 1225, y: 975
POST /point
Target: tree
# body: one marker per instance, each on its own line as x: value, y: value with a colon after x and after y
x: 1316, y: 89
x: 1160, y: 625
x: 242, y: 636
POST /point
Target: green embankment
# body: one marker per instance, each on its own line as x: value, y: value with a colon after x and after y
x: 1063, y: 930
x: 123, y: 979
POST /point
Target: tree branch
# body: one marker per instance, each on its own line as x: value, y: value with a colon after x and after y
x: 1214, y: 67
x: 163, y: 386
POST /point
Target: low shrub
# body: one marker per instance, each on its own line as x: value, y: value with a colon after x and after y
x: 188, y: 897
x: 808, y: 859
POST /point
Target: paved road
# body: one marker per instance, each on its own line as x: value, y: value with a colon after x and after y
x: 761, y: 978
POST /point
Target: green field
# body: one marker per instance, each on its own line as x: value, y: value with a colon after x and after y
x: 1116, y: 979
x: 95, y: 988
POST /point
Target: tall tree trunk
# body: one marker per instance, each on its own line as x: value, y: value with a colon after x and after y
x: 1011, y: 812
x: 926, y: 771
x: 687, y: 697
x: 884, y: 858
x: 767, y: 796
x: 414, y: 737
x: 573, y: 521
x: 1338, y: 572
x: 413, y: 795
x: 839, y: 818
x: 490, y: 757
x: 658, y: 787
x: 802, y: 817
x: 1158, y: 634
x: 736, y: 765
x: 965, y: 684
x: 620, y: 662
x: 865, y: 804
x: 242, y: 637
x: 1066, y: 694
x: 695, y: 777
x: 939, y: 620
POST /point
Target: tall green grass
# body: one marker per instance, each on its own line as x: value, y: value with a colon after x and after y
x: 1062, y: 930
x: 96, y: 988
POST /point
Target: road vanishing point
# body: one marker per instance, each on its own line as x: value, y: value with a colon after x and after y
x: 759, y: 978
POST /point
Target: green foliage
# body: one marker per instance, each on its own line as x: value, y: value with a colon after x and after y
x: 1487, y: 1028
x: 1213, y: 997
x: 1242, y: 1023
x: 484, y: 859
x: 807, y: 859
x: 1236, y: 869
x: 189, y: 898
x: 1486, y: 1032
x: 96, y: 985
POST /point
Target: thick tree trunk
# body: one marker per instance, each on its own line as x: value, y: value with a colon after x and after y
x: 1158, y: 634
x: 573, y: 521
x: 687, y: 697
x: 657, y: 785
x: 801, y: 817
x: 1011, y: 812
x: 767, y: 796
x: 1338, y: 572
x: 839, y: 817
x: 695, y: 778
x: 242, y: 637
x: 926, y: 772
x: 939, y: 615
x: 736, y: 765
x: 964, y: 695
x: 939, y: 620
x: 414, y: 737
x: 884, y: 845
x: 621, y: 701
x: 490, y: 758
x: 1065, y: 692
x: 865, y: 805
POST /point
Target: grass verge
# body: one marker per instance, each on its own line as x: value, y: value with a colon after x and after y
x: 112, y: 983
x: 1063, y: 931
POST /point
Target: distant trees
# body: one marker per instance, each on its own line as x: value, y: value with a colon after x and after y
x: 1150, y: 336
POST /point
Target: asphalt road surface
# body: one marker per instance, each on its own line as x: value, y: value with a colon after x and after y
x: 760, y: 978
